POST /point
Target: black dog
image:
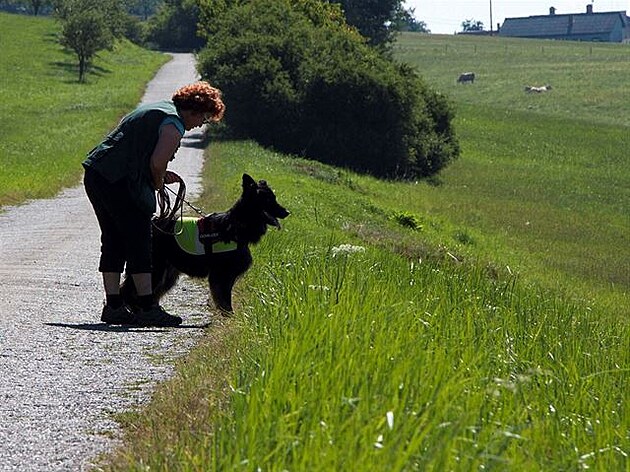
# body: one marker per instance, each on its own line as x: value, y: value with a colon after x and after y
x: 217, y: 246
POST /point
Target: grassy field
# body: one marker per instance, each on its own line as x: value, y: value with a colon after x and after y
x: 544, y: 182
x: 351, y: 352
x: 589, y: 80
x: 548, y: 197
x: 479, y: 321
x: 50, y: 121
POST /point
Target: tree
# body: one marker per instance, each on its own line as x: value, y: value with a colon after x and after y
x: 33, y: 6
x: 406, y: 21
x: 472, y: 25
x: 86, y: 33
x: 89, y: 26
x: 174, y: 26
x: 296, y: 78
x: 373, y: 18
x: 112, y: 12
x: 36, y: 5
x: 143, y: 8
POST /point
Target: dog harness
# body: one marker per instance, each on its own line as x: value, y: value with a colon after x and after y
x: 188, y: 237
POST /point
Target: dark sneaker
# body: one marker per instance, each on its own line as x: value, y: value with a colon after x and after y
x: 117, y: 316
x: 156, y: 316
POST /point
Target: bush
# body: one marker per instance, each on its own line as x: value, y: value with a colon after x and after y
x: 407, y: 220
x: 134, y: 30
x: 174, y: 26
x: 295, y: 77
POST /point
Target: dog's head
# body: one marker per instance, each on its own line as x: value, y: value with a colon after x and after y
x: 263, y: 197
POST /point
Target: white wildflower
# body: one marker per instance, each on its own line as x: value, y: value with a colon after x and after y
x: 390, y: 419
x: 346, y: 249
x: 323, y: 288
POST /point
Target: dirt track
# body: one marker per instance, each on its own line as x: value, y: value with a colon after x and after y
x: 62, y: 372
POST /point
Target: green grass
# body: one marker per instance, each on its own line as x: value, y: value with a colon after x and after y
x: 477, y: 368
x: 542, y: 182
x: 487, y: 313
x: 555, y: 209
x: 479, y: 321
x: 50, y: 121
x: 589, y: 80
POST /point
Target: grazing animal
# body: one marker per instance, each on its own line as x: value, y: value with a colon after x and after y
x: 466, y: 77
x: 215, y: 246
x: 532, y: 89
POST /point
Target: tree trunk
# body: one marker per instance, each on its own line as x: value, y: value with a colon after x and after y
x: 36, y: 4
x: 82, y: 67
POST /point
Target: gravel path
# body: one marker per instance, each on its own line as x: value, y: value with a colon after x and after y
x: 62, y: 372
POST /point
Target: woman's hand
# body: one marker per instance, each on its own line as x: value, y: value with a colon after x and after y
x: 171, y: 177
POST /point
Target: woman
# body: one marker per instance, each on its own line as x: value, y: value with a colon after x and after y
x: 122, y: 175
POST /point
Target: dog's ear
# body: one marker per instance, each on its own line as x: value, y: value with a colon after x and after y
x: 248, y: 182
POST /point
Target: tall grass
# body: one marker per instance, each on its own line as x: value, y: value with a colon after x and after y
x: 548, y: 197
x: 50, y: 120
x: 346, y: 355
x: 426, y: 350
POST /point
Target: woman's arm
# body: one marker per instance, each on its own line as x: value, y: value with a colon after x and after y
x: 165, y: 148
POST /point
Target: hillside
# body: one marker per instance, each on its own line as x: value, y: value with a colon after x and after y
x: 542, y: 183
x: 476, y: 321
x: 358, y: 344
x: 589, y: 80
x: 54, y: 119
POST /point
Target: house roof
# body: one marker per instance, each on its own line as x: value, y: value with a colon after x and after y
x: 563, y: 25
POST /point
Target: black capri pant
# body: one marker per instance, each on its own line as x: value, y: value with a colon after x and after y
x: 125, y: 229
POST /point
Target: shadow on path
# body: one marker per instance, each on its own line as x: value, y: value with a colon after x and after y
x: 123, y: 328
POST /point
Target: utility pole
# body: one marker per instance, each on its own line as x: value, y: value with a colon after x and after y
x: 491, y: 23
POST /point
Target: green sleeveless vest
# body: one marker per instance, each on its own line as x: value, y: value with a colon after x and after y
x: 125, y: 153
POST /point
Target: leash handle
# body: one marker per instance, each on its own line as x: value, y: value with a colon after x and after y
x: 197, y: 210
x: 172, y: 212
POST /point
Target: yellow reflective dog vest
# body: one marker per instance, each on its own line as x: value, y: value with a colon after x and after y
x: 187, y: 237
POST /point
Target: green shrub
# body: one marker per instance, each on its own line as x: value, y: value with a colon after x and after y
x: 134, y: 30
x: 174, y: 26
x: 407, y: 220
x: 296, y: 78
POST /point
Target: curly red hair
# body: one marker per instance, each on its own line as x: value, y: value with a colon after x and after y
x: 200, y: 97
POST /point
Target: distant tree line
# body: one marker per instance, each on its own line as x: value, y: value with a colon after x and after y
x: 172, y: 24
x: 471, y: 25
x: 141, y: 8
x: 307, y: 77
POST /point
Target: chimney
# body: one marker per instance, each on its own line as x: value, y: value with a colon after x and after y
x: 589, y: 9
x: 552, y: 11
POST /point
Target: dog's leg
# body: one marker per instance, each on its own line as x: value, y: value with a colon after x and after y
x: 221, y: 291
x: 128, y: 292
x: 225, y: 270
x: 164, y: 280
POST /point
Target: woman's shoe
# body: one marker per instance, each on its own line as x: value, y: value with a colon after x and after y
x: 156, y: 316
x: 117, y: 316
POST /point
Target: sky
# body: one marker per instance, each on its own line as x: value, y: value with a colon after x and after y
x: 447, y: 16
